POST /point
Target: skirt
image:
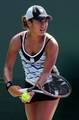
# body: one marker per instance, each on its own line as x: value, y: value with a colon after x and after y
x: 39, y: 96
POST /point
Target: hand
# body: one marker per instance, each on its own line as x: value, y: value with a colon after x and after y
x: 14, y: 90
x: 42, y: 80
x: 31, y: 95
x: 24, y: 100
x: 40, y: 84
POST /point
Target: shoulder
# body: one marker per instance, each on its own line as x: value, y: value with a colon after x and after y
x: 52, y: 41
x: 15, y: 42
x: 52, y: 47
x: 16, y: 39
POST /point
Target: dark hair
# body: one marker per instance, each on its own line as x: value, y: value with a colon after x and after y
x: 24, y: 22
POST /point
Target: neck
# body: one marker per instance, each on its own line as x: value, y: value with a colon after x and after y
x: 35, y: 37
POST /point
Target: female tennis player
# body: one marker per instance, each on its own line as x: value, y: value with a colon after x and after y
x: 38, y: 51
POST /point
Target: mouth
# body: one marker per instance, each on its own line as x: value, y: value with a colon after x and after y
x: 43, y: 30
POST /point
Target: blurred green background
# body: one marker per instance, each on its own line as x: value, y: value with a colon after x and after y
x: 65, y: 28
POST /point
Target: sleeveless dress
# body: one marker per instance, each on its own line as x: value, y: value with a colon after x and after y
x: 33, y: 66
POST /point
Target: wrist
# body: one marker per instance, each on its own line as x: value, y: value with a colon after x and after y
x: 9, y: 84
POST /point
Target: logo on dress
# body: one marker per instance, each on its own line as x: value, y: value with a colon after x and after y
x: 32, y: 60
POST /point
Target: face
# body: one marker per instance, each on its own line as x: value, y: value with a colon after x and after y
x: 39, y: 27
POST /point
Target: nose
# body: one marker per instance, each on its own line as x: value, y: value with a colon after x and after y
x: 43, y: 23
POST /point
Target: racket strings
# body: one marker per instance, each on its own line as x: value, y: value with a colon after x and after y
x: 58, y: 87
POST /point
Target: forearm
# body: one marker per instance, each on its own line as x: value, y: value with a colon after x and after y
x: 10, y: 86
x: 7, y: 74
x: 48, y: 66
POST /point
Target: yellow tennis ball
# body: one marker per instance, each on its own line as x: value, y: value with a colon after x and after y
x: 25, y: 97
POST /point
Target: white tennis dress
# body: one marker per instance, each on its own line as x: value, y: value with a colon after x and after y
x: 33, y: 65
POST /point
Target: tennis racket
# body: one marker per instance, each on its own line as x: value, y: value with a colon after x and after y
x: 58, y: 87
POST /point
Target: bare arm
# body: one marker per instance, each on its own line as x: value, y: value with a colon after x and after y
x: 52, y: 49
x: 13, y: 49
x: 51, y: 56
x: 11, y: 58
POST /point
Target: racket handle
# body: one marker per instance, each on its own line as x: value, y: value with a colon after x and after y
x: 23, y: 90
x: 26, y: 89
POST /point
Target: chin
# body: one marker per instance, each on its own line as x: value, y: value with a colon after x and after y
x: 42, y: 33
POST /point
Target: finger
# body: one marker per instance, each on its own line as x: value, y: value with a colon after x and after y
x: 31, y: 93
x: 39, y: 86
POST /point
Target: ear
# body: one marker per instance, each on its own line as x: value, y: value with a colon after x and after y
x: 29, y: 23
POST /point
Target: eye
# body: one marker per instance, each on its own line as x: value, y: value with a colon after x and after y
x: 44, y: 21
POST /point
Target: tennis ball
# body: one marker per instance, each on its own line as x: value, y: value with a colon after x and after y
x: 25, y: 97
